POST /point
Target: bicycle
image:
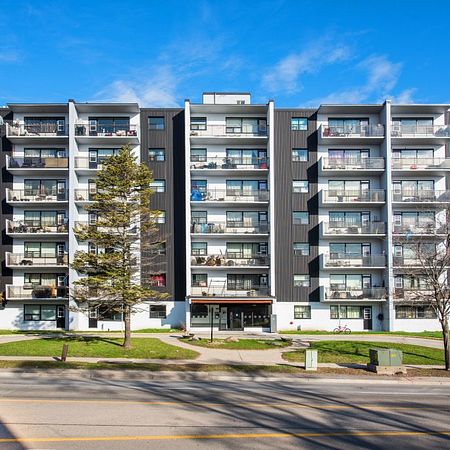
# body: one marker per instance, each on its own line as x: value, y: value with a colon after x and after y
x: 342, y: 329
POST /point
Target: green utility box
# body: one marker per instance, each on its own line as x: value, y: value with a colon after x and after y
x: 385, y: 357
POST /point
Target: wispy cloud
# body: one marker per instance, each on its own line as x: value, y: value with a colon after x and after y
x: 285, y: 76
x: 10, y: 55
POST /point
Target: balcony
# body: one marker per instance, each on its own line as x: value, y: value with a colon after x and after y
x: 352, y: 198
x: 411, y: 294
x: 218, y: 291
x: 230, y: 164
x: 225, y: 134
x: 230, y: 228
x: 29, y: 165
x: 81, y: 226
x: 112, y: 134
x: 418, y: 229
x: 29, y: 196
x: 26, y: 261
x: 36, y: 292
x: 417, y: 134
x: 346, y: 261
x: 339, y: 165
x: 363, y: 134
x: 409, y: 262
x: 84, y: 195
x: 342, y: 229
x: 38, y: 133
x: 344, y: 294
x: 421, y: 165
x: 230, y: 260
x: 35, y: 229
x: 421, y: 196
x: 223, y: 196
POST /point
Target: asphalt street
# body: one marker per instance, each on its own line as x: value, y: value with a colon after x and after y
x: 51, y: 412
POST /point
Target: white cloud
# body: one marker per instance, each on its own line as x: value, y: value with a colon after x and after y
x: 403, y: 97
x: 9, y: 56
x: 285, y: 75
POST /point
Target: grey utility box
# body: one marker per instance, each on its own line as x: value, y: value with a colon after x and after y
x: 310, y: 359
x: 385, y: 357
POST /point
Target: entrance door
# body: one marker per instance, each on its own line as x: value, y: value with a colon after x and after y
x: 93, y: 318
x: 235, y: 318
x: 223, y: 318
x: 367, y: 316
x: 60, y: 316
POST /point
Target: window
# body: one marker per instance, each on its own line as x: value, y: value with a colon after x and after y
x: 156, y: 123
x: 198, y: 155
x: 158, y: 186
x: 346, y: 312
x: 159, y: 216
x: 300, y: 218
x: 301, y: 280
x: 302, y: 312
x: 243, y: 282
x: 198, y: 217
x: 301, y: 249
x: 299, y: 124
x: 158, y: 311
x: 246, y: 126
x: 158, y: 248
x: 199, y: 248
x: 300, y: 187
x: 300, y: 154
x: 156, y: 154
x: 199, y: 280
x: 109, y: 314
x: 157, y: 280
x: 39, y: 312
x: 414, y: 312
x: 199, y: 185
x: 198, y: 123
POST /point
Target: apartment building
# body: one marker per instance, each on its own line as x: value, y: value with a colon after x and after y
x: 272, y: 218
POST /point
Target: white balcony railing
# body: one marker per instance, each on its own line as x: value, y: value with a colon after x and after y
x: 420, y: 163
x: 347, y: 293
x: 421, y: 196
x: 230, y: 228
x: 352, y: 196
x: 399, y: 130
x: 337, y: 228
x: 353, y: 131
x: 30, y: 260
x: 352, y: 163
x: 36, y: 196
x: 231, y: 132
x: 344, y: 260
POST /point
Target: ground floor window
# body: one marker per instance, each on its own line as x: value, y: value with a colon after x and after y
x: 302, y: 312
x: 158, y: 311
x: 346, y: 312
x: 39, y: 312
x: 109, y: 314
x: 414, y: 312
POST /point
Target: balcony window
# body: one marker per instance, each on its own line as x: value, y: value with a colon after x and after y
x: 199, y: 217
x: 156, y: 154
x: 412, y: 154
x: 238, y: 125
x: 243, y: 282
x: 199, y: 155
x: 300, y: 187
x: 108, y: 125
x: 246, y: 218
x: 158, y: 186
x: 301, y: 249
x: 43, y: 249
x: 410, y: 282
x: 44, y: 279
x: 42, y: 153
x: 199, y: 186
x: 198, y: 123
x: 158, y: 311
x: 156, y: 123
x: 348, y: 126
x: 245, y: 186
x: 300, y: 218
x: 44, y: 218
x: 302, y: 312
x: 346, y: 312
x: 299, y: 124
x: 414, y: 312
x: 422, y: 125
x: 247, y: 157
x: 245, y: 250
x: 98, y: 156
x: 301, y: 281
x: 199, y: 280
x: 45, y: 189
x: 299, y: 154
x: 199, y: 248
x: 159, y: 217
x: 45, y: 125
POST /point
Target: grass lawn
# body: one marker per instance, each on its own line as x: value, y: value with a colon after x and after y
x: 145, y: 330
x: 97, y: 347
x: 422, y: 334
x: 358, y: 352
x: 158, y: 330
x: 242, y: 344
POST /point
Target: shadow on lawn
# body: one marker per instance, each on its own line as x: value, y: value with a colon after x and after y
x: 69, y: 337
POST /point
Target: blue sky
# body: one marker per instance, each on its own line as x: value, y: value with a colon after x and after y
x: 160, y: 52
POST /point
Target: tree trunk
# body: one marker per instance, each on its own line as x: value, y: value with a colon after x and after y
x: 127, y: 321
x: 444, y: 325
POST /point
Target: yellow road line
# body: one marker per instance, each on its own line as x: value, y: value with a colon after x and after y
x: 228, y: 436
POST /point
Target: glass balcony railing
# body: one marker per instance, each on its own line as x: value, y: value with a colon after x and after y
x: 418, y: 228
x: 230, y: 259
x: 44, y: 129
x: 84, y: 195
x: 352, y: 163
x: 342, y: 260
x: 332, y: 228
x: 421, y: 196
x: 14, y: 162
x: 220, y: 195
x: 36, y: 292
x: 351, y: 196
x: 35, y: 227
x: 353, y: 131
x: 411, y: 293
x: 239, y: 291
x: 350, y: 293
x: 399, y: 130
x: 230, y: 163
x: 230, y: 228
x: 31, y: 195
x: 32, y: 260
x: 420, y: 163
x: 408, y: 261
x: 231, y: 131
x: 84, y: 129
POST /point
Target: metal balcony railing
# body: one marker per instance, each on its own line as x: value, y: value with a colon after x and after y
x: 421, y: 196
x: 344, y: 196
x: 338, y: 260
x: 332, y: 228
x: 399, y: 130
x: 239, y: 291
x: 418, y: 228
x: 31, y: 195
x: 403, y: 261
x: 37, y: 129
x: 219, y: 195
x: 344, y: 293
x: 230, y: 228
x: 230, y: 131
x: 420, y: 163
x: 35, y: 227
x: 230, y: 259
x: 352, y: 163
x: 84, y: 129
x: 353, y: 131
x: 411, y: 293
x: 36, y: 292
x: 32, y: 260
x: 14, y: 162
x: 229, y: 163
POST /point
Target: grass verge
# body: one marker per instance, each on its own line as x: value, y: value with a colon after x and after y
x: 358, y: 352
x: 422, y: 334
x: 242, y: 344
x: 97, y: 347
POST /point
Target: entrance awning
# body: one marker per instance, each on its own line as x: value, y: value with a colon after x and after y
x: 217, y: 301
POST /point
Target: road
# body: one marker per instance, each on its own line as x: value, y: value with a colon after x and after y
x: 69, y: 412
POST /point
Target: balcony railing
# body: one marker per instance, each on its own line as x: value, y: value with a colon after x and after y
x: 230, y: 259
x: 421, y: 196
x: 333, y: 228
x: 232, y: 195
x: 343, y: 260
x: 30, y: 260
x: 83, y: 129
x: 37, y: 129
x: 403, y: 261
x: 36, y: 292
x: 41, y: 196
x: 229, y: 131
x: 419, y: 228
x: 344, y: 293
x: 365, y: 196
x: 84, y: 195
x: 37, y: 227
x: 80, y: 226
x: 399, y: 130
x: 352, y: 163
x: 411, y: 293
x: 420, y: 163
x: 230, y: 228
x: 355, y: 131
x: 250, y: 291
x: 230, y: 163
x: 14, y: 162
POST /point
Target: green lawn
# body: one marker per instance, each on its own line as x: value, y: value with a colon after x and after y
x: 422, y: 334
x: 242, y: 344
x: 358, y: 352
x: 97, y: 347
x: 158, y: 330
